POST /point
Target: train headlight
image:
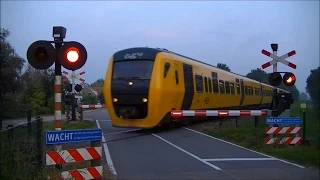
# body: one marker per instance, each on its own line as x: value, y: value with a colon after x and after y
x: 144, y: 99
x: 115, y: 100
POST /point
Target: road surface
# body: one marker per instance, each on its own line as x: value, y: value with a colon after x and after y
x: 187, y: 154
x: 184, y: 153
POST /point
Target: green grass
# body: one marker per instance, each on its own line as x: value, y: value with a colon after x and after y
x: 85, y: 124
x: 254, y: 138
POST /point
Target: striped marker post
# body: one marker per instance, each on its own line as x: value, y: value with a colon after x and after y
x: 279, y: 132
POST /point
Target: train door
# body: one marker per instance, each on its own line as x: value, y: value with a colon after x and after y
x: 188, y: 86
x: 177, y: 84
x: 261, y: 94
x: 242, y: 92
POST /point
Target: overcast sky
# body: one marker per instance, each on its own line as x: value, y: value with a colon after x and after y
x: 233, y: 33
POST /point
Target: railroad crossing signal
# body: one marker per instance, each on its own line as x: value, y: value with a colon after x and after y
x: 77, y: 87
x: 75, y: 76
x: 69, y: 99
x: 275, y: 78
x: 288, y: 79
x: 42, y: 55
x: 278, y: 59
x: 72, y: 55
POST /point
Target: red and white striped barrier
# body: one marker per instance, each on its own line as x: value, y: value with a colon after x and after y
x: 76, y: 155
x: 219, y: 113
x: 73, y: 155
x: 92, y: 106
x: 284, y: 140
x: 85, y: 173
x: 283, y: 130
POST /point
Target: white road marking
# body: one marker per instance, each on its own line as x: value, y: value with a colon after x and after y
x: 107, y: 153
x: 241, y: 159
x: 190, y: 154
x: 244, y: 148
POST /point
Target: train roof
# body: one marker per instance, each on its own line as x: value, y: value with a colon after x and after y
x: 151, y: 53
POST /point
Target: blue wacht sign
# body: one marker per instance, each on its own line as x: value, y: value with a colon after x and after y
x: 283, y: 120
x: 72, y: 136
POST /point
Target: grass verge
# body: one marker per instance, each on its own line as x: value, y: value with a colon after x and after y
x: 253, y: 138
x: 85, y: 124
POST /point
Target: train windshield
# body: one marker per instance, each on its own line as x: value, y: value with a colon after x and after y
x: 141, y: 69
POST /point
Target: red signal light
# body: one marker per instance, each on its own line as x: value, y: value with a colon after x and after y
x: 72, y: 54
x: 289, y: 79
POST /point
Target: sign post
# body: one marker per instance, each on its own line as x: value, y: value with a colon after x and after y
x: 72, y: 136
x: 273, y: 62
x: 285, y: 131
x: 92, y: 153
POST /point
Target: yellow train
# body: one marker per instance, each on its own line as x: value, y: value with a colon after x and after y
x: 142, y: 85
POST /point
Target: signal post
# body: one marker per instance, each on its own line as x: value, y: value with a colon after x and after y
x: 71, y: 55
x: 280, y: 104
x: 72, y: 88
x: 275, y: 78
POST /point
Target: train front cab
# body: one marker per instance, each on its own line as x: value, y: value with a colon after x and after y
x: 137, y: 92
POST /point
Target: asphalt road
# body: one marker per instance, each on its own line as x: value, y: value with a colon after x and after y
x: 187, y: 154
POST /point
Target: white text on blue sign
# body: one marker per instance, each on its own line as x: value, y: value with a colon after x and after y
x: 68, y: 136
x: 277, y: 120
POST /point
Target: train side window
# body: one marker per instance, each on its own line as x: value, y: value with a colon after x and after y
x: 238, y: 88
x: 221, y: 85
x: 232, y: 88
x: 251, y: 89
x: 199, y: 84
x: 215, y: 85
x: 214, y: 75
x: 246, y: 90
x: 206, y: 84
x: 210, y: 86
x: 166, y: 69
x: 177, y: 77
x: 227, y: 87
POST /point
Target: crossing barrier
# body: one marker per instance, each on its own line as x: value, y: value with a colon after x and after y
x: 93, y: 153
x: 218, y: 113
x: 91, y: 106
x: 279, y: 132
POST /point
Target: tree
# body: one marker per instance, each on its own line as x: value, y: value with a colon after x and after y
x: 37, y: 99
x: 258, y: 75
x: 89, y: 99
x: 313, y: 88
x: 11, y: 65
x: 98, y: 83
x: 11, y: 68
x: 303, y: 97
x: 223, y: 66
